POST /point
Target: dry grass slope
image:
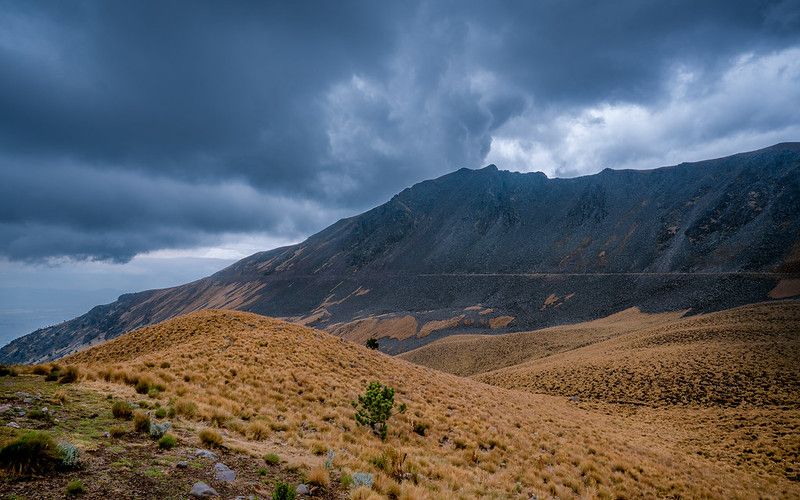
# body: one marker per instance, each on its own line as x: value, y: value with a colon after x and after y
x: 472, y: 354
x: 294, y: 385
x: 743, y: 356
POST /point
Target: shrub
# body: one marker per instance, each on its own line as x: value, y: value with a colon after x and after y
x: 167, y: 442
x: 75, y: 487
x: 262, y: 471
x: 121, y: 410
x: 372, y: 343
x: 117, y: 431
x: 153, y: 392
x: 161, y: 413
x: 283, y: 491
x: 68, y: 375
x: 210, y: 437
x: 319, y: 476
x: 141, y: 422
x: 33, y: 451
x: 374, y: 407
x: 272, y: 459
x: 70, y: 456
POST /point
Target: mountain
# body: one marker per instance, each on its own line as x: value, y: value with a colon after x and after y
x: 270, y: 386
x: 490, y: 250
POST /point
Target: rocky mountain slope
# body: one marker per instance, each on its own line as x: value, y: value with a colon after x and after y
x: 490, y: 250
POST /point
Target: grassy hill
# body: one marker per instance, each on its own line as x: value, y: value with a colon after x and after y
x: 473, y: 354
x: 271, y: 386
x: 723, y: 385
x: 743, y: 356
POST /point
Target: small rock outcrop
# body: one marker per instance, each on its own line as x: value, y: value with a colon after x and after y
x: 224, y: 473
x: 202, y: 490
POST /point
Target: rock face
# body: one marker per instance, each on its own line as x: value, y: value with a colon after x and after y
x: 490, y: 250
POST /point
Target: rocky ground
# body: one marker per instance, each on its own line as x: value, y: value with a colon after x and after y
x: 130, y: 465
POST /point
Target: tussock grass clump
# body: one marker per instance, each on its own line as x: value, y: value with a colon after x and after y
x: 40, y: 370
x: 319, y: 476
x: 122, y: 410
x: 257, y: 431
x: 142, y: 386
x: 272, y: 459
x: 54, y: 373
x: 75, y: 487
x: 210, y: 437
x: 117, y: 431
x: 167, y: 442
x: 141, y: 422
x: 33, y: 451
x: 68, y: 375
x: 186, y: 408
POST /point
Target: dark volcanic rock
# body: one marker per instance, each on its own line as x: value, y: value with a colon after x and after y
x: 700, y: 236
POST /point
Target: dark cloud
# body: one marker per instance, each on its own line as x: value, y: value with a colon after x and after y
x: 127, y: 127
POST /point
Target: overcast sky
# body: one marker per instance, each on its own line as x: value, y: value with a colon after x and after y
x: 209, y: 130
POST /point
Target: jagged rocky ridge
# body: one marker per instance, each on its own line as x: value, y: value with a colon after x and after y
x: 479, y: 250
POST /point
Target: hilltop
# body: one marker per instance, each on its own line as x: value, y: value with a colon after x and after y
x: 495, y: 251
x: 273, y: 386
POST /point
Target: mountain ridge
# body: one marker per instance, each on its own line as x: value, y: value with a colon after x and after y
x: 703, y: 236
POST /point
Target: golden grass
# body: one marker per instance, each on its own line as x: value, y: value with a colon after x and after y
x: 483, y: 441
x: 473, y: 354
x: 743, y: 356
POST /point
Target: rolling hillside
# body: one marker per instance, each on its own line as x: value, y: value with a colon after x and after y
x: 467, y: 355
x: 743, y: 356
x: 521, y: 250
x: 269, y: 385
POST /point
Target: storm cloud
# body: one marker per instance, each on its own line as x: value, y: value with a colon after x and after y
x: 131, y: 127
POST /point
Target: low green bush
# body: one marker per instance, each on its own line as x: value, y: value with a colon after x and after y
x: 167, y: 442
x: 75, y: 487
x: 284, y: 491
